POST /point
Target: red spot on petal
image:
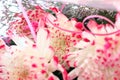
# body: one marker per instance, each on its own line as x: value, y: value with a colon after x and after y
x: 51, y: 78
x: 99, y: 57
x: 2, y: 46
x: 109, y: 55
x: 1, y: 71
x: 107, y: 39
x: 56, y: 59
x: 43, y: 65
x: 48, y: 33
x: 104, y: 59
x: 73, y: 34
x: 86, y: 40
x: 35, y: 25
x: 116, y: 72
x: 79, y: 36
x: 93, y: 43
x: 112, y: 65
x: 79, y: 26
x: 68, y: 63
x: 34, y: 65
x: 107, y: 45
x: 34, y: 45
x: 75, y: 64
x: 35, y: 76
x: 31, y: 57
x: 43, y: 71
x: 115, y: 78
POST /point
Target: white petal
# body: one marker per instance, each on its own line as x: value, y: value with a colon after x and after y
x: 42, y: 41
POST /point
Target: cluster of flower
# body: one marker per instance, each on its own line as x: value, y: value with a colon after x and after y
x: 59, y: 44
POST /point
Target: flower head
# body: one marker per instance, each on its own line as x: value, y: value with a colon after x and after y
x: 98, y: 57
x: 28, y: 60
x: 20, y: 25
x: 60, y: 41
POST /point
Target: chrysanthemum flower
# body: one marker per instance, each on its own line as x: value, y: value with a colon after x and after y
x: 31, y: 61
x: 61, y: 41
x: 99, y: 57
x: 20, y: 25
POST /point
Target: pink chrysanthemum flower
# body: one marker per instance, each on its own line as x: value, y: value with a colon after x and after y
x: 99, y: 57
x: 31, y: 61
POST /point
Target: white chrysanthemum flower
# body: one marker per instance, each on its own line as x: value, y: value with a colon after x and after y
x: 98, y: 59
x: 62, y: 41
x: 29, y: 61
